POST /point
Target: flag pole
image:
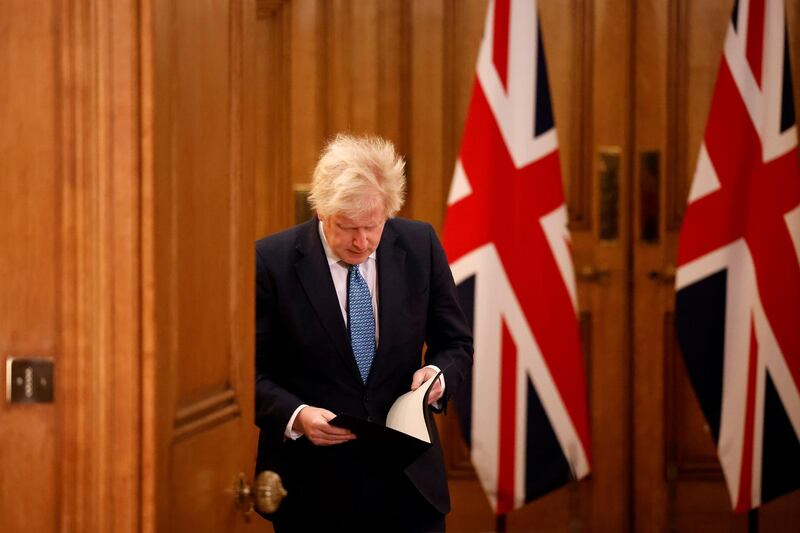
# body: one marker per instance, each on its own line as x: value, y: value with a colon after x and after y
x: 500, y: 523
x: 752, y: 520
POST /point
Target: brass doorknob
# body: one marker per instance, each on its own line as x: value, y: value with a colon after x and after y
x: 266, y: 497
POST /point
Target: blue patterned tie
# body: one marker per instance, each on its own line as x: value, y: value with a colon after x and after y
x: 361, y: 321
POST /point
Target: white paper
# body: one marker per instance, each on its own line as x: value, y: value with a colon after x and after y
x: 408, y: 413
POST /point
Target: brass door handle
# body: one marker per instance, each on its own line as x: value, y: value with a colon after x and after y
x: 666, y: 275
x: 592, y: 274
x: 266, y: 497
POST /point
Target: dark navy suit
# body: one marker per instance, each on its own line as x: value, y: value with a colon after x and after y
x: 303, y: 355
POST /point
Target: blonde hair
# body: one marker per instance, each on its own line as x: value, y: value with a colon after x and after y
x: 354, y: 174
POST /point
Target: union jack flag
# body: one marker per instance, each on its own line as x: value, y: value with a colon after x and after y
x: 524, y: 415
x: 738, y: 279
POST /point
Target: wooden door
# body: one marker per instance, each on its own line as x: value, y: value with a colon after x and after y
x: 678, y: 484
x: 197, y: 263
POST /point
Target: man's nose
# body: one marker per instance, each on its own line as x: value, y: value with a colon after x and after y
x: 360, y: 240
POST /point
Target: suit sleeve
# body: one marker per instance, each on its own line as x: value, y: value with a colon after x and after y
x: 274, y: 404
x: 448, y: 335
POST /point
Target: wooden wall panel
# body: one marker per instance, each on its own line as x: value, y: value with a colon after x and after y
x: 611, y: 374
x: 69, y: 158
x: 271, y: 93
x: 31, y: 283
x: 428, y: 112
x: 307, y: 70
x: 392, y: 64
x: 652, y: 48
x: 364, y: 66
x: 201, y: 199
x: 337, y: 56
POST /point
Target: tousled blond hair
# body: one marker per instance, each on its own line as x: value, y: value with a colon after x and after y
x: 354, y: 174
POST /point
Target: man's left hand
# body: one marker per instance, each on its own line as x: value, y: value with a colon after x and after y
x: 421, y: 376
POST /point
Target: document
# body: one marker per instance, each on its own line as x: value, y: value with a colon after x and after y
x: 407, y: 433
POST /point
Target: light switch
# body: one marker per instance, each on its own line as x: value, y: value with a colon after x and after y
x: 29, y: 379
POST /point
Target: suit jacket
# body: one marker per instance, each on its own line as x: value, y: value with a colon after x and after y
x: 303, y: 355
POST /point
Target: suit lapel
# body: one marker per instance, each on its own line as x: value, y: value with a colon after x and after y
x: 315, y: 276
x: 391, y: 290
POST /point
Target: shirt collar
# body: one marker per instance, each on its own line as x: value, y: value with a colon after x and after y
x: 329, y: 254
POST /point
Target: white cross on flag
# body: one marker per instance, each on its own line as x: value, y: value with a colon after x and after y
x: 524, y: 415
x: 738, y: 279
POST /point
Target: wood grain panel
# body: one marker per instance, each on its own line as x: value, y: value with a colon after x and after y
x: 650, y: 297
x: 392, y: 74
x: 610, y: 503
x: 364, y: 65
x: 307, y: 116
x: 101, y: 412
x: 30, y: 236
x: 273, y: 181
x: 201, y: 156
x: 69, y: 156
x: 427, y: 165
x: 676, y: 149
x: 336, y: 59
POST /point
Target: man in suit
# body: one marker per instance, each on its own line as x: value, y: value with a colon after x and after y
x: 345, y: 304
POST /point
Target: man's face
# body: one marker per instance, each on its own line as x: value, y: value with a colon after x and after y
x: 354, y: 239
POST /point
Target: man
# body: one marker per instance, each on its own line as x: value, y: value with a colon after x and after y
x: 345, y: 304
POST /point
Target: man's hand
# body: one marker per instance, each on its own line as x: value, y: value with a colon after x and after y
x: 313, y: 423
x: 421, y: 376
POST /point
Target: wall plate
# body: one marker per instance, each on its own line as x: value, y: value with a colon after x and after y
x: 29, y: 379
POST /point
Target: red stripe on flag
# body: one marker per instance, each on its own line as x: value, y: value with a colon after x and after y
x: 508, y: 424
x: 744, y: 500
x: 755, y: 37
x: 500, y: 44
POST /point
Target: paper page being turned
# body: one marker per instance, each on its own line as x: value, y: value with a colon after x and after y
x: 408, y: 412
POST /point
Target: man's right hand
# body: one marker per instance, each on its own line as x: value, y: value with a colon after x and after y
x: 313, y: 423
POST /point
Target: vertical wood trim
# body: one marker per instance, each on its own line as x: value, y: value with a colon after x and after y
x: 273, y: 186
x: 579, y: 200
x: 100, y: 486
x: 149, y: 467
x: 390, y: 74
x: 307, y: 75
x: 240, y: 230
x: 71, y: 506
x: 338, y: 48
x: 122, y: 262
x: 676, y: 181
x: 427, y: 110
x: 449, y: 136
x: 670, y: 408
x: 364, y: 66
x: 406, y: 118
